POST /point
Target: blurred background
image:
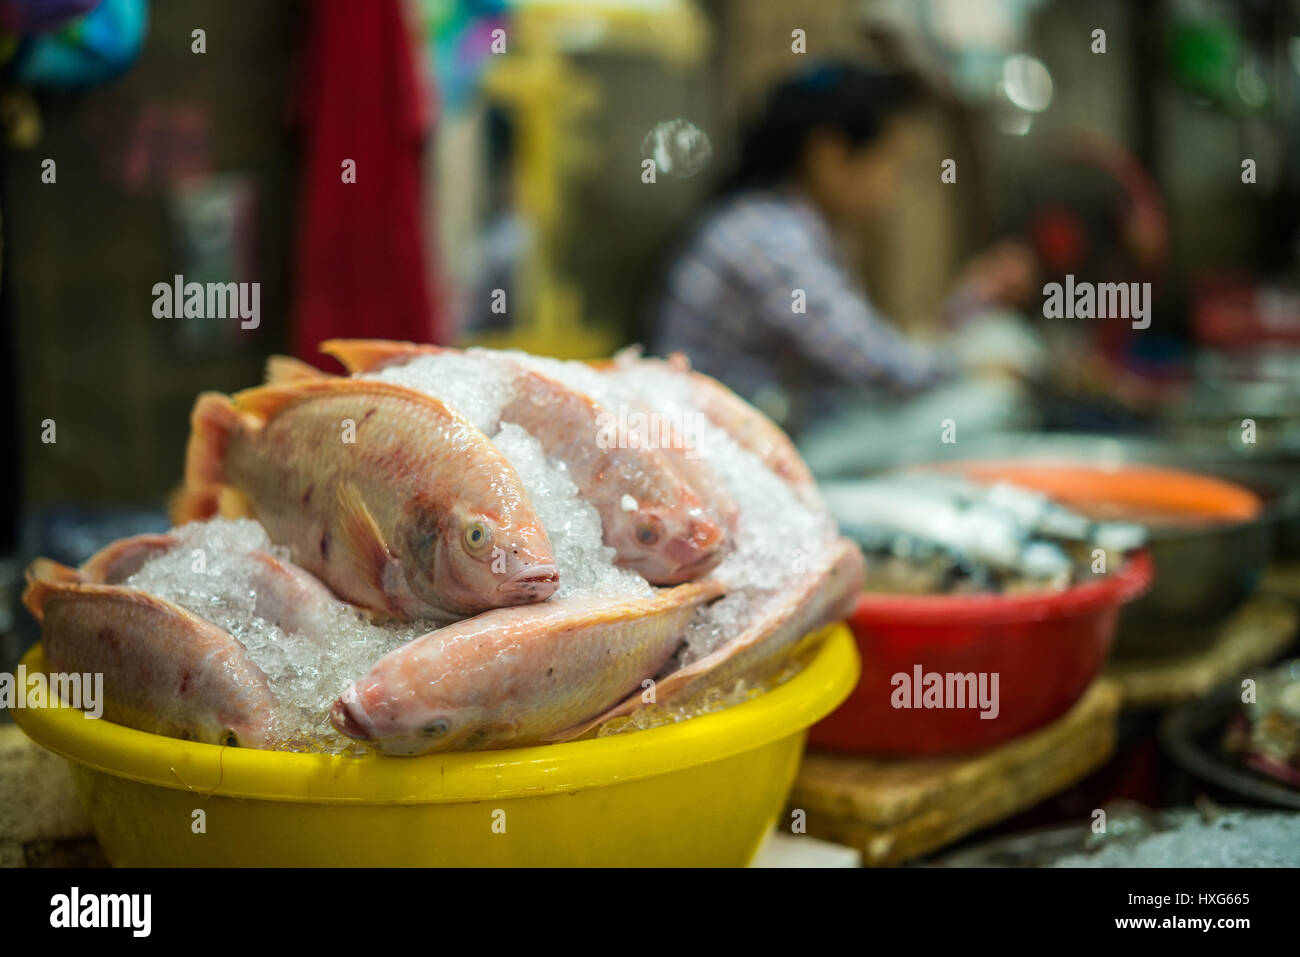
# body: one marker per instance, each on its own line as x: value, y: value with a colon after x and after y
x: 556, y: 177
x: 500, y: 198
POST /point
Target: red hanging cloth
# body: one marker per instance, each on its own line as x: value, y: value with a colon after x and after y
x: 361, y: 266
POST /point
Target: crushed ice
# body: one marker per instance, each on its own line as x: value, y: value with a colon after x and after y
x: 308, y: 668
x: 212, y: 572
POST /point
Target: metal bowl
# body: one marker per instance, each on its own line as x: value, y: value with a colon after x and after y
x: 1192, y: 734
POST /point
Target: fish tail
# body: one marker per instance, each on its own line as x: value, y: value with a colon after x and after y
x: 193, y: 505
x: 44, y: 576
x: 199, y: 504
x: 211, y: 422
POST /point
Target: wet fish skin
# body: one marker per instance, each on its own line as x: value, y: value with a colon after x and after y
x: 817, y: 600
x: 512, y: 677
x: 166, y: 670
x: 654, y: 519
x: 650, y: 514
x: 419, y: 517
x: 749, y: 427
x: 288, y: 597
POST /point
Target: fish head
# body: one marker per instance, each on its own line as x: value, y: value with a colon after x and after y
x: 398, y: 723
x: 470, y: 561
x: 667, y: 545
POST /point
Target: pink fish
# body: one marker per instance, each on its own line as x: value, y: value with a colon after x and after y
x: 750, y: 428
x: 166, y: 670
x: 512, y: 677
x: 813, y: 602
x: 390, y: 497
x: 652, y: 516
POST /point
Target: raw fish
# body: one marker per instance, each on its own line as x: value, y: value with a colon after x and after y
x: 514, y: 676
x: 651, y: 516
x: 817, y: 600
x: 166, y: 670
x: 389, y: 496
x: 750, y: 428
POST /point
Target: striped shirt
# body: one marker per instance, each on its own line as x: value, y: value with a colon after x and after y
x: 764, y: 300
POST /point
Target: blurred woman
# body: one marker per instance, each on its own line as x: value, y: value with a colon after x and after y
x: 763, y: 296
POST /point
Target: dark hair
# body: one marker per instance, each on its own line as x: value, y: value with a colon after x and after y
x: 854, y: 101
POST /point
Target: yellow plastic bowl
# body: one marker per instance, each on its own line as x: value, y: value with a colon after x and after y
x: 700, y: 792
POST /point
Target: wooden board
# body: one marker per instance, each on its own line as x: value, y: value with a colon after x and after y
x: 1255, y: 634
x: 896, y: 810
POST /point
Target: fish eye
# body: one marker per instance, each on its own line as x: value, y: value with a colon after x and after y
x: 228, y: 738
x: 477, y: 536
x: 648, y: 530
x: 436, y: 729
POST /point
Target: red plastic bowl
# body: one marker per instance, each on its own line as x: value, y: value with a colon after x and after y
x: 1045, y: 649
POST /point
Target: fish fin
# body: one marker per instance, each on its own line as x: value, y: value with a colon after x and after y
x: 627, y: 706
x: 364, y: 547
x: 283, y: 369
x: 186, y: 505
x: 692, y: 593
x: 265, y: 401
x: 366, y: 355
x: 211, y: 422
x: 499, y: 733
x: 232, y: 503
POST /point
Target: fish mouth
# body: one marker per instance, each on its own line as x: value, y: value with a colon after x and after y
x: 536, y: 580
x: 348, y: 716
x: 700, y: 551
x: 704, y: 563
x: 706, y: 535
